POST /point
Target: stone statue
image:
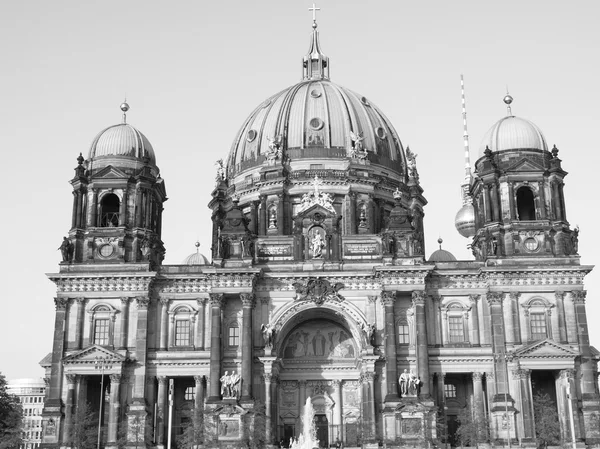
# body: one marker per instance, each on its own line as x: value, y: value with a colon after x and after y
x: 234, y: 381
x: 225, y: 384
x: 273, y: 219
x: 412, y: 383
x: 404, y: 379
x: 66, y: 250
x: 575, y: 240
x: 268, y: 334
x: 317, y: 245
x: 274, y: 149
x: 229, y: 384
x: 358, y: 151
x: 369, y: 329
x: 220, y: 171
x: 411, y: 164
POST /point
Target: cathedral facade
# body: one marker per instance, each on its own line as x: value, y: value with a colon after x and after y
x: 318, y: 293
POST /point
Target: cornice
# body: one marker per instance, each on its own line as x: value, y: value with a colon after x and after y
x: 103, y: 282
x: 207, y: 283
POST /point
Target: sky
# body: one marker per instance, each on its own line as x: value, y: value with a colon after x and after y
x: 192, y: 71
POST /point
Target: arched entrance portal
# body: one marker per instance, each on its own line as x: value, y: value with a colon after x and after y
x: 321, y: 357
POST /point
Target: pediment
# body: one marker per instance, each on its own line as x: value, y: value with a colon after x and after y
x: 526, y: 165
x: 89, y: 355
x: 546, y: 349
x: 316, y: 208
x: 111, y: 172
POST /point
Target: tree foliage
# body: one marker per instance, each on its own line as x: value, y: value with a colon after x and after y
x: 474, y: 428
x: 11, y: 418
x: 193, y: 431
x: 547, y: 427
x: 84, y: 432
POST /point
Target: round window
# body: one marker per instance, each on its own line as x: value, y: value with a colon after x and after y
x: 531, y: 244
x: 380, y: 132
x: 251, y: 135
x: 315, y: 93
x: 316, y: 123
x: 365, y: 101
x: 106, y: 250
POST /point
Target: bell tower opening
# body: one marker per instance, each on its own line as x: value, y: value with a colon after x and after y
x: 525, y: 204
x: 109, y: 211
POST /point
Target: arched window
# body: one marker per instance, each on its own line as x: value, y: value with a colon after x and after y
x: 455, y: 317
x: 537, y: 312
x: 109, y: 210
x: 525, y: 204
x: 102, y: 318
x: 182, y: 327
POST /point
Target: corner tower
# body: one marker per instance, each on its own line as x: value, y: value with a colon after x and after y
x: 518, y: 194
x: 118, y: 198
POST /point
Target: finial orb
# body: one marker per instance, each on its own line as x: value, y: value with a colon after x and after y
x: 440, y: 241
x: 508, y: 99
x: 197, y: 244
x: 124, y: 107
x: 314, y: 25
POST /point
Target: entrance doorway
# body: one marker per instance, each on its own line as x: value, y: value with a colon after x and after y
x: 322, y: 426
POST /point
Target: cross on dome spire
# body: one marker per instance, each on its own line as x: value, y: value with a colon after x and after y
x: 315, y: 65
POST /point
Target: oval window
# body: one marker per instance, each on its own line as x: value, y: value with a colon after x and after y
x: 251, y: 135
x: 316, y: 123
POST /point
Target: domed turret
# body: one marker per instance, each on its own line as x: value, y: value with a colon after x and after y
x: 196, y: 258
x: 441, y: 255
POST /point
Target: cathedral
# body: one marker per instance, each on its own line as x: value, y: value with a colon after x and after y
x: 317, y: 294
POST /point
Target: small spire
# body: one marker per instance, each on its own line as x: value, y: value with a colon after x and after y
x: 508, y: 99
x: 124, y: 108
x: 440, y: 241
x: 197, y: 245
x: 315, y: 65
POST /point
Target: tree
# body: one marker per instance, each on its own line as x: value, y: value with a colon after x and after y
x: 134, y: 432
x: 193, y: 430
x: 11, y: 418
x: 84, y: 431
x: 255, y: 436
x: 547, y: 427
x: 473, y: 428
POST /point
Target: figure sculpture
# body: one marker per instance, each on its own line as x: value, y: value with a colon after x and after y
x: 317, y: 246
x: 404, y: 379
x: 268, y: 334
x: 66, y: 250
x: 358, y: 151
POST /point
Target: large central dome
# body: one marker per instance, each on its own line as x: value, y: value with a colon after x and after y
x: 316, y: 119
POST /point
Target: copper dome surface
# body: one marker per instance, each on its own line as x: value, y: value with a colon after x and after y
x: 316, y: 119
x: 121, y: 140
x: 513, y: 133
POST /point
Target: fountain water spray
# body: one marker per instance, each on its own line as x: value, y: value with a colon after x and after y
x: 308, y: 437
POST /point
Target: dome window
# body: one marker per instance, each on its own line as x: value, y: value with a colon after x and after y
x: 109, y: 211
x: 316, y: 123
x: 315, y: 93
x: 525, y: 204
x: 365, y: 101
x: 251, y: 135
x: 380, y: 132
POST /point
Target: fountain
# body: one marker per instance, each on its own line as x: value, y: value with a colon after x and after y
x: 308, y: 437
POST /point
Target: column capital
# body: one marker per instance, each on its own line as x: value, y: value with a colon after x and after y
x: 164, y: 301
x: 388, y: 298
x: 201, y: 301
x: 436, y: 298
x: 162, y: 380
x: 494, y: 298
x: 559, y: 294
x: 61, y: 303
x: 81, y: 301
x: 115, y: 378
x: 142, y: 302
x: 248, y: 300
x: 477, y: 376
x: 302, y: 383
x: 489, y: 376
x: 125, y: 301
x: 198, y: 380
x: 336, y: 383
x: 268, y: 377
x: 149, y: 380
x: 579, y: 296
x: 418, y: 297
x: 371, y: 299
x: 367, y: 377
x: 217, y: 299
x: 514, y: 295
x: 568, y: 374
x: 521, y: 373
x: 71, y: 379
x: 474, y: 298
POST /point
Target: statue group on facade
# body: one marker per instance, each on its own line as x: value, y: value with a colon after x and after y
x: 410, y: 384
x: 230, y: 385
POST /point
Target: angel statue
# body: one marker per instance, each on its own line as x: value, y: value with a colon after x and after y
x: 411, y: 163
x: 268, y: 334
x: 358, y: 151
x: 274, y: 148
x: 220, y: 171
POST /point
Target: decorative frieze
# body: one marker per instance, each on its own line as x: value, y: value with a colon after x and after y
x: 74, y: 283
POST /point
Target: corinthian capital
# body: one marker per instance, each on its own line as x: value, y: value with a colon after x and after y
x: 494, y: 298
x: 579, y: 296
x: 217, y: 299
x: 247, y: 300
x: 418, y: 297
x: 388, y: 298
x: 142, y: 302
x: 61, y: 303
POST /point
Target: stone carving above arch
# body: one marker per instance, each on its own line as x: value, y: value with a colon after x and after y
x: 318, y: 291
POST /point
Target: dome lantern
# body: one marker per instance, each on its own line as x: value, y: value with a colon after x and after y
x: 315, y: 65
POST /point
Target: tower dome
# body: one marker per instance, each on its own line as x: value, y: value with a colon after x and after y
x: 196, y: 258
x: 513, y: 133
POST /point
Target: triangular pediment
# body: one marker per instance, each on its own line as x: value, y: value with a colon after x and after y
x: 314, y: 209
x: 526, y: 165
x: 111, y: 172
x: 546, y: 349
x: 89, y: 355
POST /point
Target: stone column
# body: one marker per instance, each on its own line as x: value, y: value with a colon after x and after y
x: 441, y: 392
x: 418, y: 299
x: 488, y: 203
x: 497, y: 320
x: 588, y: 388
x: 437, y: 314
x: 475, y: 337
x: 161, y: 419
x: 302, y: 393
x: 368, y: 381
x: 114, y: 409
x: 509, y: 318
x: 124, y: 321
x: 140, y: 350
x: 523, y: 381
x: 138, y: 207
x: 391, y: 373
x: 80, y: 322
x: 198, y: 404
x: 268, y: 377
x: 478, y: 393
x: 337, y: 408
x: 353, y: 221
x: 70, y: 406
x: 263, y: 215
x: 495, y: 202
x: 371, y: 310
x: 217, y: 301
x: 560, y: 307
x: 123, y: 208
x: 164, y: 324
x: 248, y: 303
x: 280, y: 214
x: 54, y: 403
x: 201, y: 324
